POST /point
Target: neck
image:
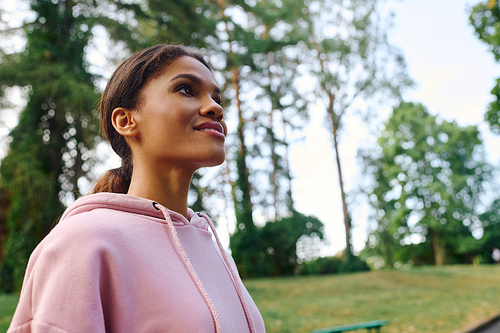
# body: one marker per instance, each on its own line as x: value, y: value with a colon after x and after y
x: 167, y: 185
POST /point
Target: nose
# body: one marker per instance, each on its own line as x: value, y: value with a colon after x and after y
x: 212, y: 110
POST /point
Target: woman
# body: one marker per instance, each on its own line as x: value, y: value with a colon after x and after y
x: 131, y: 257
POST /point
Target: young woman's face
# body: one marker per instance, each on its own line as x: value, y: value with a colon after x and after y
x: 180, y: 117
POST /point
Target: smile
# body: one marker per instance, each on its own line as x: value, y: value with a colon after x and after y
x: 211, y: 127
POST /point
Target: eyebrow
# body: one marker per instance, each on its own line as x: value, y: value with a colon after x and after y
x: 193, y: 78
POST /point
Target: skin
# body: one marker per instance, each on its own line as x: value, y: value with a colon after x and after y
x: 164, y: 133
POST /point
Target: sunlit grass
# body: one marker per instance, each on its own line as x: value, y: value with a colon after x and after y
x: 424, y: 299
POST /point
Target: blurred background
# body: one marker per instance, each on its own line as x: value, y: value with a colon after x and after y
x: 363, y: 134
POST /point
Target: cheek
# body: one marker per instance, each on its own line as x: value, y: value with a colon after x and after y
x: 169, y: 121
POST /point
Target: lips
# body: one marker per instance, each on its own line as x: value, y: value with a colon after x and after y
x: 211, y: 126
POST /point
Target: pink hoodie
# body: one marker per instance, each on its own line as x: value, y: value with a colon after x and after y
x: 119, y: 263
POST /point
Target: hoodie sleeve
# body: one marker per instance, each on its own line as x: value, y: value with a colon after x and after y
x: 62, y: 285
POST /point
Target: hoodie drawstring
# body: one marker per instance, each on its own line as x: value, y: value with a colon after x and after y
x: 191, y: 270
x: 235, y: 277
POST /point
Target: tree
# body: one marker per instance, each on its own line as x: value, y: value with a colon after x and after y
x: 55, y: 136
x: 279, y: 242
x: 189, y: 22
x: 354, y: 61
x: 52, y: 145
x: 264, y: 44
x: 274, y: 246
x: 490, y: 220
x: 283, y: 114
x: 485, y: 18
x: 275, y: 45
x: 56, y: 130
x: 428, y: 176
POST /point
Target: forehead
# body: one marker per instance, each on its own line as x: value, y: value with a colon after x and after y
x: 188, y: 65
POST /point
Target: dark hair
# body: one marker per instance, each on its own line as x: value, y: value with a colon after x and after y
x: 124, y: 90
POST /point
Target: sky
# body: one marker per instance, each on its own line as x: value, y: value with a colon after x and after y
x: 454, y: 72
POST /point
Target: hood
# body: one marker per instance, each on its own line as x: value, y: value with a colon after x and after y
x: 132, y: 204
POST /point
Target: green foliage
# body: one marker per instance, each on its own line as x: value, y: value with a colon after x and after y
x: 242, y: 196
x: 485, y: 18
x: 429, y: 175
x: 263, y: 54
x: 353, y: 264
x: 320, y: 266
x: 34, y: 208
x: 246, y: 249
x: 51, y: 147
x: 333, y: 265
x: 354, y: 57
x: 271, y: 250
x: 490, y: 220
x: 279, y: 240
x: 189, y: 22
x: 353, y: 60
x: 492, y: 115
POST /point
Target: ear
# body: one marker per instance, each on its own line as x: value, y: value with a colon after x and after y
x: 124, y: 122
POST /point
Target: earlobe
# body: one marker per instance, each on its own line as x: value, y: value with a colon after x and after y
x: 124, y: 122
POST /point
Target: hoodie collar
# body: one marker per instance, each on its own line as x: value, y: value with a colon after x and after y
x: 131, y: 204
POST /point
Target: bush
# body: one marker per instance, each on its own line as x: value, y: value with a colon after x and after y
x: 271, y: 250
x: 325, y: 265
x: 353, y: 264
x: 333, y: 265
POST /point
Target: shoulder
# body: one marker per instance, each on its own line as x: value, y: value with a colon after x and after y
x: 83, y: 230
x: 103, y: 216
x: 104, y: 225
x: 80, y: 239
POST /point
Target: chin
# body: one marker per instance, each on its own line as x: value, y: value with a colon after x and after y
x: 219, y: 161
x: 213, y: 161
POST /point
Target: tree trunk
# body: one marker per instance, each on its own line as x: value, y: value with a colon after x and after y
x: 347, y: 220
x: 243, y: 173
x: 436, y: 248
x: 290, y: 204
x: 335, y: 122
x: 274, y: 160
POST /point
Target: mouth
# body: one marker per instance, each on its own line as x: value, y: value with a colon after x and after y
x: 211, y: 126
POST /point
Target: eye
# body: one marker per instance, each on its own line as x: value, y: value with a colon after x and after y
x: 186, y: 89
x: 218, y: 100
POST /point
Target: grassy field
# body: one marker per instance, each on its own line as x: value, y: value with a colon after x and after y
x: 424, y: 299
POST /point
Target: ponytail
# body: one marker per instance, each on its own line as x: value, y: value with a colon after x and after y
x: 115, y: 180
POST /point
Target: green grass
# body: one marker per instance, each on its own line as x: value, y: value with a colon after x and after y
x: 7, y: 306
x: 423, y: 299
